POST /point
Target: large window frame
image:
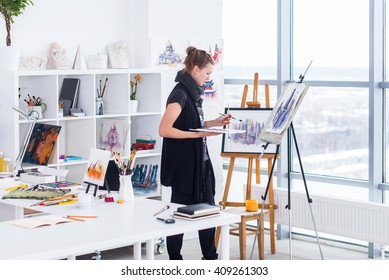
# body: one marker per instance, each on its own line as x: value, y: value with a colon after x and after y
x: 376, y: 84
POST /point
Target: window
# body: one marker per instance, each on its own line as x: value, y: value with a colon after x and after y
x: 335, y: 36
x: 250, y: 38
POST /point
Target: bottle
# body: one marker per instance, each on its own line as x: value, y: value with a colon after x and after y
x: 8, y: 167
x: 1, y: 162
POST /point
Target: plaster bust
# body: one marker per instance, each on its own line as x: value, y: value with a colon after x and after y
x: 118, y: 54
x: 57, y: 57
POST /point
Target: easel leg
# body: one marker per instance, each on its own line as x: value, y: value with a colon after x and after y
x: 306, y: 190
x: 271, y: 211
x: 249, y: 178
x: 264, y: 196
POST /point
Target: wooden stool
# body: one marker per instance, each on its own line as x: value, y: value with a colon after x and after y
x: 242, y: 231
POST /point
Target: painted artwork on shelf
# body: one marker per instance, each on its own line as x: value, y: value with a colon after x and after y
x: 112, y: 135
x: 145, y: 179
x: 252, y: 120
x: 97, y: 167
x: 283, y: 113
x: 41, y: 143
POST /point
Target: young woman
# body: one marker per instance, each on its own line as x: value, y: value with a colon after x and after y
x: 185, y: 163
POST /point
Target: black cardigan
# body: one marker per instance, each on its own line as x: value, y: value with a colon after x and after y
x: 182, y: 159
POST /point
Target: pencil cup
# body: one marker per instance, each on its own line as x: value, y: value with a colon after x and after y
x: 36, y: 111
x: 100, y: 106
x: 126, y: 191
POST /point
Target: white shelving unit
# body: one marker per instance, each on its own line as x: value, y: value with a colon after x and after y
x: 79, y: 134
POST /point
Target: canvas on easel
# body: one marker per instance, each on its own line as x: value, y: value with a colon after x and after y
x: 283, y: 113
x: 97, y: 167
x: 252, y: 121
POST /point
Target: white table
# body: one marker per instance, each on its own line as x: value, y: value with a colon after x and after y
x: 117, y: 225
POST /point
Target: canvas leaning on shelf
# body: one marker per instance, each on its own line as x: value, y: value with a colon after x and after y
x: 40, y: 221
x: 41, y: 143
x: 113, y: 134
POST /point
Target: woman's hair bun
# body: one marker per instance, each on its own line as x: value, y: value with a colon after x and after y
x: 191, y: 49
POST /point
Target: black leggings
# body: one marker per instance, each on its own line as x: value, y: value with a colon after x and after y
x: 206, y: 236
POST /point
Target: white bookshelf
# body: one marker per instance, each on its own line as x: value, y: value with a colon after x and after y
x: 79, y: 134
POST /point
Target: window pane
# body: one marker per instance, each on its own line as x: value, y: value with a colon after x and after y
x: 331, y: 128
x: 334, y: 35
x: 250, y: 38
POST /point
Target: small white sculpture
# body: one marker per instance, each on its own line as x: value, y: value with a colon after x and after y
x: 97, y: 61
x: 58, y: 58
x: 32, y: 62
x: 118, y: 54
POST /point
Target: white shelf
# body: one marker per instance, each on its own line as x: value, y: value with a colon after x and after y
x: 79, y: 134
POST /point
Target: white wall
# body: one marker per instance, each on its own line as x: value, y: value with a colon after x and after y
x: 91, y: 23
x: 95, y: 23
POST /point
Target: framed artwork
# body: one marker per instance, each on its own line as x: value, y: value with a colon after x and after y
x: 113, y: 135
x: 97, y: 167
x: 41, y: 143
x: 283, y: 113
x: 252, y: 120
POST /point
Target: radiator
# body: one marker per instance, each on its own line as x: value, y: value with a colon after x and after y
x: 361, y: 220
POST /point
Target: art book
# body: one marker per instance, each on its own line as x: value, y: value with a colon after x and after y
x: 199, y: 208
x: 179, y: 215
x: 40, y: 221
x: 113, y: 134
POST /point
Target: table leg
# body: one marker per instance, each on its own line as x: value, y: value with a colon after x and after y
x: 150, y: 249
x: 137, y: 250
x: 224, y: 242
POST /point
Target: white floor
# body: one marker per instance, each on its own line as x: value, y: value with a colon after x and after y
x: 302, y: 248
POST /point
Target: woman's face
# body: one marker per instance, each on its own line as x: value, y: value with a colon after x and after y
x: 202, y: 75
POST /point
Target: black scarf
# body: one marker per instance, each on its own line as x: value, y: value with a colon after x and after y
x: 194, y: 89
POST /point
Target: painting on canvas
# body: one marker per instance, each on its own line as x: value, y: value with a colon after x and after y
x: 252, y: 120
x: 97, y: 167
x: 113, y: 135
x: 41, y: 143
x: 283, y: 113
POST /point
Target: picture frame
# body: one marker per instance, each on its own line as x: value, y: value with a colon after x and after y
x: 253, y: 121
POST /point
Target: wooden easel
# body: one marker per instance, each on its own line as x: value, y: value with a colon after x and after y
x: 224, y: 203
